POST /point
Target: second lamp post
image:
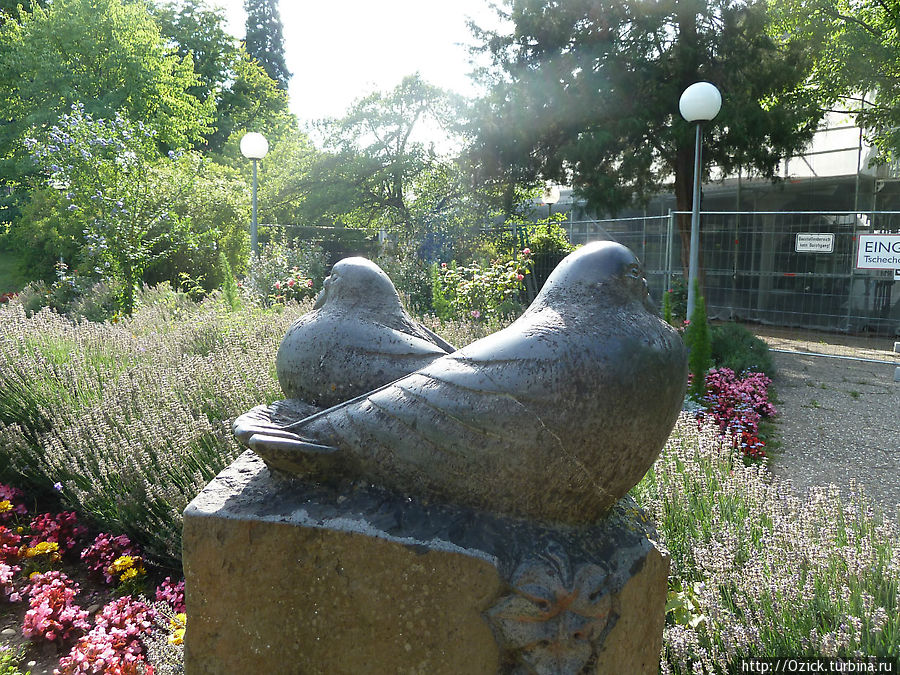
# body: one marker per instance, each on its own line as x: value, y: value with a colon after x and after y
x: 254, y: 146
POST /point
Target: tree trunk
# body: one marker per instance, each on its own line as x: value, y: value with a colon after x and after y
x: 684, y: 195
x: 688, y: 72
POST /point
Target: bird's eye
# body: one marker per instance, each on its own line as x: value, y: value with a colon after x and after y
x: 635, y: 271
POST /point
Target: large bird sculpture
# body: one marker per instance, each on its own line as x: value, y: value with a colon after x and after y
x: 555, y: 417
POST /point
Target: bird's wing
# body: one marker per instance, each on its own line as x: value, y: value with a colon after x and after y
x: 463, y: 403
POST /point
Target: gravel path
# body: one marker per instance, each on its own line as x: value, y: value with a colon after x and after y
x: 840, y: 419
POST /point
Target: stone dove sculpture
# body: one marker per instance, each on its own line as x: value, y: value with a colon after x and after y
x: 555, y: 417
x: 356, y: 339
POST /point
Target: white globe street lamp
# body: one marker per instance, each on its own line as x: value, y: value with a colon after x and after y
x: 254, y: 146
x: 699, y: 103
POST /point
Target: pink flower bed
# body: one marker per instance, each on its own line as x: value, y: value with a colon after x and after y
x: 105, y: 550
x: 738, y: 405
x: 111, y: 644
x: 54, y: 616
x: 114, y: 643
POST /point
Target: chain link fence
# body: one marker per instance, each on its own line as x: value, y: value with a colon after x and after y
x: 786, y: 268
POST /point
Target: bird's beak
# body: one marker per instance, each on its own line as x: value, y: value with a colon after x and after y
x: 320, y: 299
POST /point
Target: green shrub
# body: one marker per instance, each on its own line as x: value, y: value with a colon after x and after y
x: 35, y: 296
x: 734, y: 346
x: 229, y: 286
x: 442, y: 307
x: 274, y: 265
x: 759, y: 571
x: 697, y: 338
x: 478, y: 292
x: 74, y: 295
x: 548, y: 237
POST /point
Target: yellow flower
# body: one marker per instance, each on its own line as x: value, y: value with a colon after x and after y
x: 50, y: 548
x: 5, y: 506
x: 129, y: 574
x: 121, y: 564
x: 178, y: 624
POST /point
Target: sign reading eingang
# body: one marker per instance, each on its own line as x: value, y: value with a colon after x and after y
x: 878, y: 252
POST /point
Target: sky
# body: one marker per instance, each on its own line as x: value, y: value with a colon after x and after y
x: 341, y: 50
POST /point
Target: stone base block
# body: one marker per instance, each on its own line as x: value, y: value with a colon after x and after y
x: 288, y: 577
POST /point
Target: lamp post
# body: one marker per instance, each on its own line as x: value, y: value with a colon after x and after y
x: 699, y: 103
x: 551, y: 196
x: 254, y: 147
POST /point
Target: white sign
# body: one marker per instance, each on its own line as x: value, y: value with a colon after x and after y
x: 878, y: 252
x: 896, y: 275
x: 814, y: 243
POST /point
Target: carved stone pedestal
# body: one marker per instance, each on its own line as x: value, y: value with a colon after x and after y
x: 287, y: 577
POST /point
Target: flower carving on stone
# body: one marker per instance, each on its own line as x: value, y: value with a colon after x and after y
x: 557, y: 617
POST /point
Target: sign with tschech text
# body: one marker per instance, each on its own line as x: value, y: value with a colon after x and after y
x: 811, y: 242
x: 878, y: 252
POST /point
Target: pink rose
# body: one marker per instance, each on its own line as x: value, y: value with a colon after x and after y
x: 278, y: 285
x: 520, y: 277
x: 309, y: 283
x: 291, y: 283
x: 526, y: 251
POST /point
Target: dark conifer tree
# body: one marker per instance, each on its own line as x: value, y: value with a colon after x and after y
x: 265, y: 39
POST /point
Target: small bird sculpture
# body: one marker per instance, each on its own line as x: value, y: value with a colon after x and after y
x: 357, y: 338
x: 555, y: 417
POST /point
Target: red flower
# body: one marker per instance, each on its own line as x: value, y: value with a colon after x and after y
x: 520, y: 277
x: 291, y: 283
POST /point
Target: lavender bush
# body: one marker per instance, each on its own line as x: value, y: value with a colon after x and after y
x: 757, y: 571
x: 132, y: 419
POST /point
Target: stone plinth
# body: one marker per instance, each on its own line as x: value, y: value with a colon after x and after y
x: 289, y: 577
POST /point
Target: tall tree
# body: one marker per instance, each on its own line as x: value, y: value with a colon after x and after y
x: 245, y: 96
x: 857, y: 61
x: 265, y: 40
x: 586, y: 92
x: 375, y: 154
x: 10, y: 8
x: 250, y: 101
x: 197, y: 30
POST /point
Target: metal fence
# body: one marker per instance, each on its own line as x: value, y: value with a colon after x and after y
x: 755, y: 267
